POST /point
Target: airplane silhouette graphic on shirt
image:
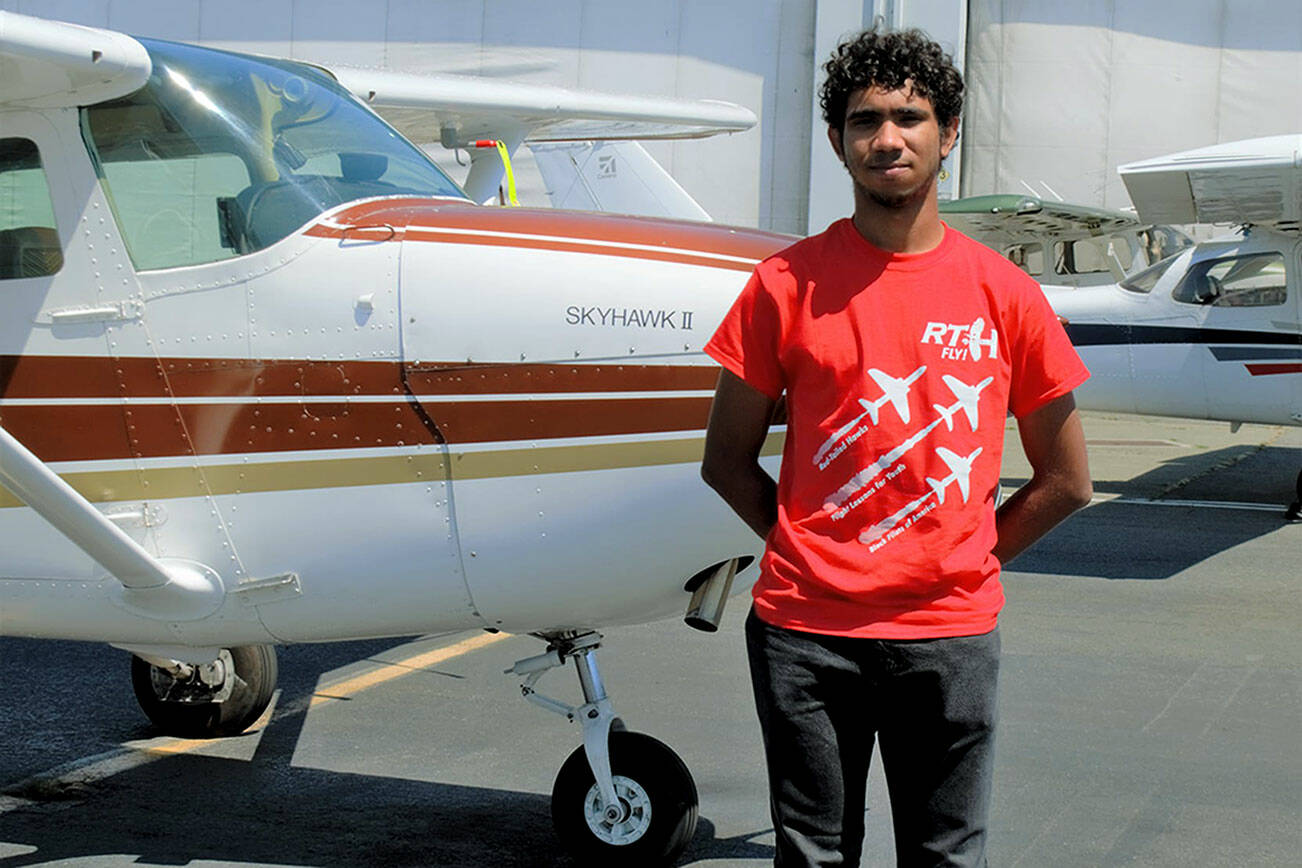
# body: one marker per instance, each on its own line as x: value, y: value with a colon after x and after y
x: 895, y: 392
x: 960, y: 471
x: 968, y: 400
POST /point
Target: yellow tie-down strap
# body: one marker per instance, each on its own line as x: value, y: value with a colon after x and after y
x: 506, y: 164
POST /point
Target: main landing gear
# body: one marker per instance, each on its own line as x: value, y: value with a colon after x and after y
x: 209, y: 700
x: 623, y: 798
x: 1294, y: 511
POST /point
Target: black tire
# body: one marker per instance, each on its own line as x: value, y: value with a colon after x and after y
x: 654, y: 776
x: 189, y: 709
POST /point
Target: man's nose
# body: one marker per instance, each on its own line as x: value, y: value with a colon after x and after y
x: 888, y: 137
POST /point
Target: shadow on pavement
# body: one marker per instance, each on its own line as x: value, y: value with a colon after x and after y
x: 1127, y: 540
x: 267, y: 811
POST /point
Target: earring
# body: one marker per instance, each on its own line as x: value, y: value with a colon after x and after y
x: 944, y: 174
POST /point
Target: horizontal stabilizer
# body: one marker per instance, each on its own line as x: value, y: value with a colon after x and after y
x: 938, y: 487
x: 1252, y: 181
x: 50, y: 64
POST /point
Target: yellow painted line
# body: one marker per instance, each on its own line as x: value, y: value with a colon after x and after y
x: 350, y: 686
x: 389, y: 671
x: 132, y: 755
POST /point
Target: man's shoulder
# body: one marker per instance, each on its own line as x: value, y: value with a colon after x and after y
x: 806, y: 251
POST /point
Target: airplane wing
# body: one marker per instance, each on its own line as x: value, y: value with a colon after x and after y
x: 1252, y: 181
x: 459, y: 109
x: 50, y: 64
x: 1002, y: 219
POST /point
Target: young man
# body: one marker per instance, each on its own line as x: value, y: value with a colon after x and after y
x: 900, y: 346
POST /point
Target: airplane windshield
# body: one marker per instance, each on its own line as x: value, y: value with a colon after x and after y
x: 222, y: 154
x: 1144, y: 281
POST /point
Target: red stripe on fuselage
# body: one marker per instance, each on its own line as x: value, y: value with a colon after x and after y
x: 1263, y: 370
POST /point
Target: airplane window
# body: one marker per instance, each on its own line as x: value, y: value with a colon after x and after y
x: 222, y: 154
x: 29, y: 242
x: 1028, y: 257
x: 1257, y: 280
x: 1090, y: 255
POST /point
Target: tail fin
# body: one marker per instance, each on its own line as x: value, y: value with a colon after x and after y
x: 947, y: 414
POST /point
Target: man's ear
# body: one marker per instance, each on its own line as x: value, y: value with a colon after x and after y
x: 834, y: 136
x: 949, y: 136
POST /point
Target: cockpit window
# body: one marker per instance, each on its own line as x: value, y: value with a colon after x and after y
x: 222, y: 154
x: 1256, y: 280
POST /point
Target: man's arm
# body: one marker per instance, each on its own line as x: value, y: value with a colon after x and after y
x: 739, y: 422
x: 1060, y: 477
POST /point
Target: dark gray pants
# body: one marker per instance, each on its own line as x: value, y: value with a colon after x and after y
x: 931, y: 704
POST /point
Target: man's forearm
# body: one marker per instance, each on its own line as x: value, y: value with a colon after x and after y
x: 751, y: 493
x: 1035, y: 509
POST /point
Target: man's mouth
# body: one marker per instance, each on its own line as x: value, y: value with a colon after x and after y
x: 890, y: 169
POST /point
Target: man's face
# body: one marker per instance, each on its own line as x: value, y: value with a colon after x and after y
x: 892, y: 144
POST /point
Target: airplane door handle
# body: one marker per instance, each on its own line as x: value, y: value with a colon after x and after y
x: 123, y: 310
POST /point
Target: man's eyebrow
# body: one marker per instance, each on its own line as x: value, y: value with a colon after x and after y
x: 902, y: 111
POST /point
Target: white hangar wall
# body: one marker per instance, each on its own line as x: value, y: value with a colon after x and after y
x: 1063, y: 93
x: 757, y: 53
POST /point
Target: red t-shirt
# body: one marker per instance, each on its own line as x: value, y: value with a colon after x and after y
x: 899, y: 370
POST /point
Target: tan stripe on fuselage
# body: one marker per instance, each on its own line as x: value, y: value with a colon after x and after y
x: 161, y: 483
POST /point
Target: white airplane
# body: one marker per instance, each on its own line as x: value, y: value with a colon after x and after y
x: 960, y: 472
x: 268, y: 376
x: 1213, y: 331
x: 968, y: 400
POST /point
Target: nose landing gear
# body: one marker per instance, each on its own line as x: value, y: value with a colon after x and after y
x: 623, y: 798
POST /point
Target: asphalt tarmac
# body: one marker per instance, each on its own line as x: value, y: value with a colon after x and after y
x: 1151, y: 702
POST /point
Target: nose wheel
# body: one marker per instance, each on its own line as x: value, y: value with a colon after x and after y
x: 623, y: 798
x: 654, y: 818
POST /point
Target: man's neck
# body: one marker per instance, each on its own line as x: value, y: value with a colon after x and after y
x: 914, y: 227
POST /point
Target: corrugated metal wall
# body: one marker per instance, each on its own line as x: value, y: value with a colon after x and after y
x: 1062, y: 93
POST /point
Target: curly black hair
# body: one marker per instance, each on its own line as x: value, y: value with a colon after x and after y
x: 888, y: 60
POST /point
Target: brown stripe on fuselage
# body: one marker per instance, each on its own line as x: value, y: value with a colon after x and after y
x: 708, y: 239
x: 101, y: 377
x: 82, y: 432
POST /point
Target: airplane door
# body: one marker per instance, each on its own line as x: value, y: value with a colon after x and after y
x: 1247, y: 307
x: 1166, y: 361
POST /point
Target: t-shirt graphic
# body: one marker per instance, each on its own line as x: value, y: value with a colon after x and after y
x: 899, y: 371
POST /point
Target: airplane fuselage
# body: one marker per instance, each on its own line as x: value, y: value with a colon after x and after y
x: 1213, y: 335
x: 412, y: 414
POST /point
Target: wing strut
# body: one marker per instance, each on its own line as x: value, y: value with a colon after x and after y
x: 178, y: 590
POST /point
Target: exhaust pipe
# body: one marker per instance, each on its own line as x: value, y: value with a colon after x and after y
x: 705, y: 610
